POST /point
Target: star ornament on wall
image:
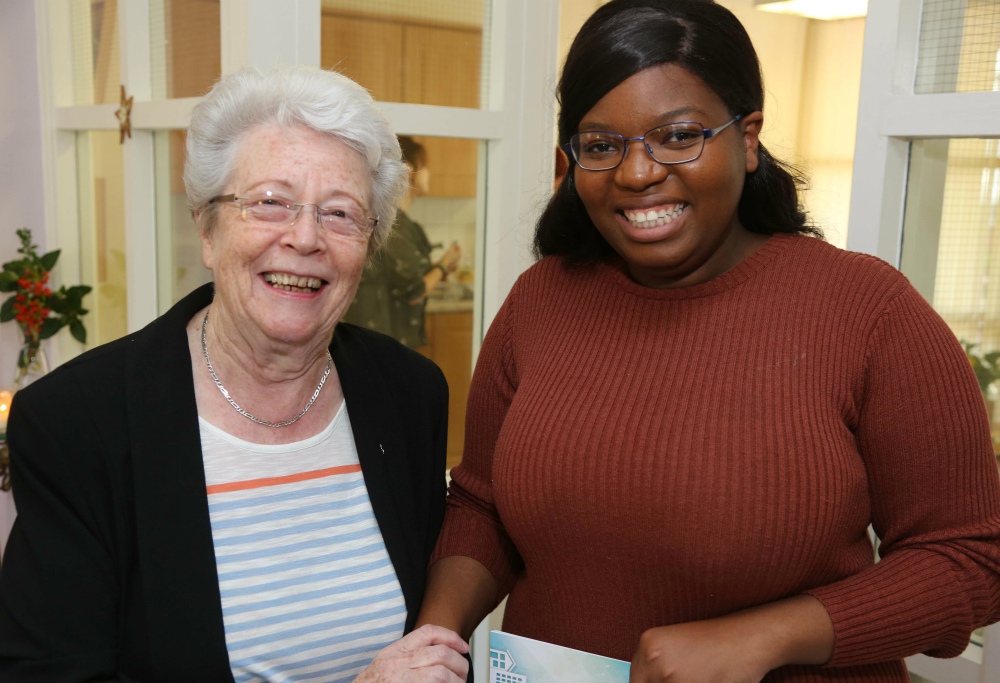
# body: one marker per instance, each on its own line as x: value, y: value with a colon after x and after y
x: 124, y: 115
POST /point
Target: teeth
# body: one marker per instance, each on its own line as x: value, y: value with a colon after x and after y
x: 654, y: 218
x: 293, y: 283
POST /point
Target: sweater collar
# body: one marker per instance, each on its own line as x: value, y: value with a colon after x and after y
x: 617, y: 272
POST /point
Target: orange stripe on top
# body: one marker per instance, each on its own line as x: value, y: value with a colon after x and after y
x: 288, y: 479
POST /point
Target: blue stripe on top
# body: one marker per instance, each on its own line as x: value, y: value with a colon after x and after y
x: 308, y: 590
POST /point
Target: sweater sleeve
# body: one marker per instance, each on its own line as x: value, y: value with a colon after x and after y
x: 472, y: 525
x: 935, y: 495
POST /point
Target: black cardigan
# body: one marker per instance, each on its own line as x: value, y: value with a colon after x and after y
x: 110, y: 567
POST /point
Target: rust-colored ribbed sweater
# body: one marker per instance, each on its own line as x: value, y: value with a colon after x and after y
x: 638, y: 457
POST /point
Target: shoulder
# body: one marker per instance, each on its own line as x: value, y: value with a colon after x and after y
x: 820, y: 253
x: 365, y: 348
x: 99, y: 374
x: 405, y: 228
x: 86, y: 377
x: 820, y: 264
x: 553, y: 274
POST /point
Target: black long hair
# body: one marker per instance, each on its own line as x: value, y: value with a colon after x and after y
x: 621, y: 39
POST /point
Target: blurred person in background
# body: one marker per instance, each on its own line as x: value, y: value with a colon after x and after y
x: 392, y: 295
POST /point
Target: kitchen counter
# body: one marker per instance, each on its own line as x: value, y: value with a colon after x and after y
x: 435, y: 305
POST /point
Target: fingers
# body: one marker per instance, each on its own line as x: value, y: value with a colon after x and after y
x: 430, y: 654
x: 440, y: 656
x: 451, y: 256
x: 429, y: 634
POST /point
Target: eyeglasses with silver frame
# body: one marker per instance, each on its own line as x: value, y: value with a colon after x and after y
x: 270, y: 209
x: 672, y: 143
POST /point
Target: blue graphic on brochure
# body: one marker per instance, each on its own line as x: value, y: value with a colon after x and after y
x: 515, y: 659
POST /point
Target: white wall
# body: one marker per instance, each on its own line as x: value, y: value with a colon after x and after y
x: 22, y: 199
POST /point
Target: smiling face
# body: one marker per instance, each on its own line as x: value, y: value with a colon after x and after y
x: 287, y: 285
x: 675, y: 225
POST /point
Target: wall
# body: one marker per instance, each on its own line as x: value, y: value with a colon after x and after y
x: 829, y: 115
x: 22, y: 201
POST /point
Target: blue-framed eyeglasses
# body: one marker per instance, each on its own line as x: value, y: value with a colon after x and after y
x: 672, y: 143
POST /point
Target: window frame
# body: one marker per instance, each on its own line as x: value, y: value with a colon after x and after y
x: 890, y: 117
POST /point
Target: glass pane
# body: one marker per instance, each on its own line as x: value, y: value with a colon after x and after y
x: 96, y: 76
x: 178, y: 252
x: 186, y: 54
x: 439, y: 214
x: 417, y: 51
x: 959, y: 43
x: 102, y: 234
x: 951, y: 251
x: 951, y: 245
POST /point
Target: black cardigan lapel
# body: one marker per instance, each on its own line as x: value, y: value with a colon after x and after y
x: 382, y: 452
x: 175, y: 550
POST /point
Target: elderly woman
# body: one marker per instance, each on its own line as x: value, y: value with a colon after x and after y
x: 243, y: 490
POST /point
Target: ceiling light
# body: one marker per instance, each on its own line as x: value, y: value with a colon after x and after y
x: 816, y: 9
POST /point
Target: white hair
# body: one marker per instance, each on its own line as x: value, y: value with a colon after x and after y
x: 326, y: 101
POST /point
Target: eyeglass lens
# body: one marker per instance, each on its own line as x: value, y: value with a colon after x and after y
x: 674, y: 143
x: 344, y: 219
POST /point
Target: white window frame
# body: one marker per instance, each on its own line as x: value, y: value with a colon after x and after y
x: 890, y: 116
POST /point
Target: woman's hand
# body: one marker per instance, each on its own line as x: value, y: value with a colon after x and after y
x: 430, y: 653
x: 737, y: 648
x: 696, y: 652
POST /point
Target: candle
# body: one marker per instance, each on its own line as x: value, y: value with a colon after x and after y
x: 5, y: 399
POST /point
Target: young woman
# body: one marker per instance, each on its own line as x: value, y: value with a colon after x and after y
x: 687, y: 414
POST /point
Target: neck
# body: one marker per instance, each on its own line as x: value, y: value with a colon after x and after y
x: 263, y: 392
x: 243, y: 352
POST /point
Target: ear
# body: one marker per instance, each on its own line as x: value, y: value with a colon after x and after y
x: 751, y: 125
x: 207, y: 254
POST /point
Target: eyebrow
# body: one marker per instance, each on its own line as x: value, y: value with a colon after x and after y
x: 666, y: 117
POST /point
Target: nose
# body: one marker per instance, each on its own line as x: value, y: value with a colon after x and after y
x: 638, y: 170
x: 304, y: 232
x: 311, y: 209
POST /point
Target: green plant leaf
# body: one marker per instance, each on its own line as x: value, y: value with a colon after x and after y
x: 49, y: 260
x: 7, y: 310
x: 59, y: 305
x: 8, y: 281
x: 72, y: 299
x: 78, y: 331
x: 49, y: 327
x: 17, y: 266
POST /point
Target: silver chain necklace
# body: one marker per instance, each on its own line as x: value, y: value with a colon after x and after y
x: 234, y: 404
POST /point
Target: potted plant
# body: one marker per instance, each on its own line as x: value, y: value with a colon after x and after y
x: 39, y: 311
x: 986, y: 366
